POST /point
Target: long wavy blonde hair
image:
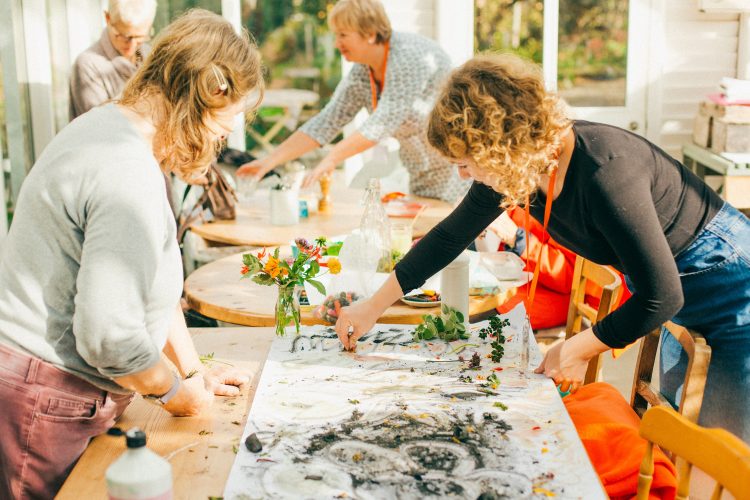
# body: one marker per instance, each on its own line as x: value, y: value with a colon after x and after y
x: 494, y: 109
x: 197, y: 65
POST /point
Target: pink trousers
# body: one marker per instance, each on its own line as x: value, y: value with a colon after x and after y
x: 47, y: 417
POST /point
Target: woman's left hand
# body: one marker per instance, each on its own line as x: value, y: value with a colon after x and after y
x: 315, y: 174
x: 224, y: 380
x: 564, y: 367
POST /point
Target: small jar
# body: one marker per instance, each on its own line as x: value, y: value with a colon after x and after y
x: 284, y: 207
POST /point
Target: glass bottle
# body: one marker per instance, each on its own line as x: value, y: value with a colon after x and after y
x: 375, y: 228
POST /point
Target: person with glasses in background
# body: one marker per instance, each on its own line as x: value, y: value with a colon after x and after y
x: 101, y: 71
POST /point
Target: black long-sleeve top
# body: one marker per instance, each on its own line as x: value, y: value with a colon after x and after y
x: 624, y: 203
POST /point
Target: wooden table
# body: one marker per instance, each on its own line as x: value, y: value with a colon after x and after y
x: 252, y: 227
x: 200, y: 448
x: 215, y: 290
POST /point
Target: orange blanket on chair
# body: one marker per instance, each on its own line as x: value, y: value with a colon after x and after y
x: 608, y: 427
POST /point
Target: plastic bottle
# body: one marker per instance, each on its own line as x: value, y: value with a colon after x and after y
x: 375, y: 228
x: 139, y: 473
x: 454, y: 285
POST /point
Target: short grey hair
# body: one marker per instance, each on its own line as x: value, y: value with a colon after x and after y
x: 132, y: 12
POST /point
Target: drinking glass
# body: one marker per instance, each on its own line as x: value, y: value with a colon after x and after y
x: 401, y: 236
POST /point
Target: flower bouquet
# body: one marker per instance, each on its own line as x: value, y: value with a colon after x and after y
x: 290, y: 276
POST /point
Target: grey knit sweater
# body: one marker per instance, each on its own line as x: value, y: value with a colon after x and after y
x: 90, y: 272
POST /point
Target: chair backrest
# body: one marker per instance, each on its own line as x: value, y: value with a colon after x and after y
x: 699, y: 357
x: 578, y: 309
x: 717, y: 452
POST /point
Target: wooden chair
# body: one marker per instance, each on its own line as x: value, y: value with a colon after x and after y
x: 578, y: 310
x: 699, y: 357
x: 717, y: 452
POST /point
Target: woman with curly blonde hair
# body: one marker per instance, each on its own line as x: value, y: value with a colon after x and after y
x: 90, y: 273
x: 618, y: 200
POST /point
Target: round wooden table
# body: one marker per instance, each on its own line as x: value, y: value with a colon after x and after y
x: 253, y: 227
x: 215, y: 290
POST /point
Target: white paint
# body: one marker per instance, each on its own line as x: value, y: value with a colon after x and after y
x: 454, y: 28
x: 550, y: 39
x: 38, y: 73
x: 232, y: 12
x: 85, y: 24
x: 743, y: 48
x: 409, y: 390
x: 631, y: 116
x: 697, y: 50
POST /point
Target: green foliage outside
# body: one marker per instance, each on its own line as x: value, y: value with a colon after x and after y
x: 291, y: 34
x: 592, y: 35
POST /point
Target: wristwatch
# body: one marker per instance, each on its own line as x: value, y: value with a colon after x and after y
x: 164, y: 398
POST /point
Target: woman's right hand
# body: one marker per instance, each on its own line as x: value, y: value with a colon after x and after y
x: 191, y: 399
x: 257, y: 168
x: 354, y: 321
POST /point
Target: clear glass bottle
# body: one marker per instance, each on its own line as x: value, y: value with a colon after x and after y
x: 376, y: 229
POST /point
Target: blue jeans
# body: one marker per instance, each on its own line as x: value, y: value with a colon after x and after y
x: 715, y: 276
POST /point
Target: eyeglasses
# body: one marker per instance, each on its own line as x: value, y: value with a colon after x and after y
x: 131, y: 38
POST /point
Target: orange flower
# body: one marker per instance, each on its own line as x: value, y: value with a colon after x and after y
x: 244, y: 270
x: 272, y: 267
x: 334, y: 265
x: 262, y: 254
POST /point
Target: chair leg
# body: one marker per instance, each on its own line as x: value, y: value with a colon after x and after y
x: 592, y: 372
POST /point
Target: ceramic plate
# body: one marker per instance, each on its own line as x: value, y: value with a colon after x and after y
x: 399, y: 208
x: 408, y: 300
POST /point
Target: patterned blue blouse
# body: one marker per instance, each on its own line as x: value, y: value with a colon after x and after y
x: 416, y: 68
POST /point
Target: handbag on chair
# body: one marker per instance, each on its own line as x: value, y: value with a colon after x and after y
x: 218, y: 199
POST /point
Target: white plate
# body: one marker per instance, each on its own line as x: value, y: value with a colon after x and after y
x: 419, y: 304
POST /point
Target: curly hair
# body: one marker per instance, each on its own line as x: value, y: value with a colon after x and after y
x: 198, y: 65
x: 494, y: 109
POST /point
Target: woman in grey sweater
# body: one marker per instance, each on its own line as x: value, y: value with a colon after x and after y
x: 396, y: 77
x: 90, y: 273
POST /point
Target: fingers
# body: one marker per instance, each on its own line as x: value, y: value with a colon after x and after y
x: 342, y: 330
x: 311, y: 178
x: 226, y: 390
x: 248, y: 169
x: 540, y: 368
x: 565, y: 386
x: 236, y: 378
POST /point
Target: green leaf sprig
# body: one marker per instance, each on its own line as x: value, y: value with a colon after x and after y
x: 448, y: 326
x: 495, y: 331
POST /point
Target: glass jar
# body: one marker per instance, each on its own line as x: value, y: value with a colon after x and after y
x: 287, y: 309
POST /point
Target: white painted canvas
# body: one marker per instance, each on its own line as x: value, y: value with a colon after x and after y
x: 407, y: 420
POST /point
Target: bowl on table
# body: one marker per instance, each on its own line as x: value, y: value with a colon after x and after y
x: 505, y: 266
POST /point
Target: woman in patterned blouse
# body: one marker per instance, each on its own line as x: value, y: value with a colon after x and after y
x: 396, y: 77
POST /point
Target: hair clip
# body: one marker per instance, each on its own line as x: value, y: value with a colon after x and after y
x: 223, y: 85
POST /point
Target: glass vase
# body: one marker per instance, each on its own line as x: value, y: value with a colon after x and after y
x: 287, y: 309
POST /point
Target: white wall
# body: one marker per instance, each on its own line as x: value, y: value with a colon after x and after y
x: 692, y: 50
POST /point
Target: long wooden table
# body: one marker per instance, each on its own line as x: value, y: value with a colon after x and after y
x: 253, y: 227
x: 200, y: 449
x: 215, y: 290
